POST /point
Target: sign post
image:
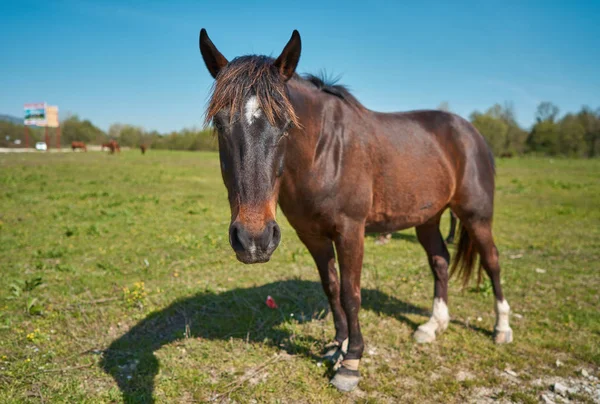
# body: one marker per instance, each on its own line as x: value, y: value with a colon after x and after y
x: 46, y: 139
x: 52, y: 122
x: 35, y: 114
x: 41, y: 114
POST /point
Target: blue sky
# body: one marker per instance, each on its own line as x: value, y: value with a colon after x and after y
x: 138, y: 62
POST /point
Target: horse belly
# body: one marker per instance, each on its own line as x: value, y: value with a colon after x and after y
x: 401, y: 203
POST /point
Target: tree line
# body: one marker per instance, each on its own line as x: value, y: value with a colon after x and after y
x: 573, y: 135
x: 83, y: 130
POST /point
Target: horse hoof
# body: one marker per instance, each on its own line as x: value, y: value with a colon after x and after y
x: 423, y: 337
x: 345, y: 380
x: 503, y: 337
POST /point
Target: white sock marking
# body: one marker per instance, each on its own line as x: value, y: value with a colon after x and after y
x: 439, y: 319
x: 252, y: 110
x: 502, y: 312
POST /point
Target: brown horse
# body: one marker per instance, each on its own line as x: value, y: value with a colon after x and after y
x: 143, y: 148
x: 112, y: 145
x: 78, y: 145
x: 338, y: 169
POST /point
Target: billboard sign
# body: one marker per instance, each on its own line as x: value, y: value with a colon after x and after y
x: 35, y: 114
x: 52, y: 116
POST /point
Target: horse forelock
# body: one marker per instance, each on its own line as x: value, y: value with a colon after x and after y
x: 248, y: 76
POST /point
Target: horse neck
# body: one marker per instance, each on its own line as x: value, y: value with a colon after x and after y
x: 302, y: 141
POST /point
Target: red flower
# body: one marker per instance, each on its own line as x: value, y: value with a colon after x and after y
x: 271, y: 303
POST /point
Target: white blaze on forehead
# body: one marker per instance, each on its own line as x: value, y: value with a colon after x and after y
x: 252, y: 110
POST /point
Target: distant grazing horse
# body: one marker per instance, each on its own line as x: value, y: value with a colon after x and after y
x: 339, y: 170
x: 78, y: 145
x: 143, y: 148
x: 112, y: 146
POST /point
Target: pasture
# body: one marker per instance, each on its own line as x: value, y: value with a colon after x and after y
x: 118, y: 284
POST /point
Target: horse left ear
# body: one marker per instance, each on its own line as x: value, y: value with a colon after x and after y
x: 288, y: 60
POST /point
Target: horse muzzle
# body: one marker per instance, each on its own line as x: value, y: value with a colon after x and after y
x: 254, y: 247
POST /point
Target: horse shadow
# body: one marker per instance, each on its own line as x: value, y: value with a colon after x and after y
x: 238, y: 313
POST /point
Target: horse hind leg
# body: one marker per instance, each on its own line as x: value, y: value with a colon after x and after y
x: 437, y: 254
x: 481, y: 232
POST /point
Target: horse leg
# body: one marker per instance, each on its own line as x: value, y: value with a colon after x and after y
x: 450, y: 238
x: 437, y: 254
x: 481, y: 231
x: 323, y: 253
x: 350, y: 249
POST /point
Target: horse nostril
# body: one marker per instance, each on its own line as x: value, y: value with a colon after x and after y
x: 276, y: 235
x: 234, y: 238
x: 273, y: 235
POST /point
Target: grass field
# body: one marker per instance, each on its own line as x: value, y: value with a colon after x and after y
x: 118, y: 285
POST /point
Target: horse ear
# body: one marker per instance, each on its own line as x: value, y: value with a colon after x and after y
x: 288, y: 60
x: 213, y: 59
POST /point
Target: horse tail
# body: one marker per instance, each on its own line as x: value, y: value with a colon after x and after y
x: 465, y: 260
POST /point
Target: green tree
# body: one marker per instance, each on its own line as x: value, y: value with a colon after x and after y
x: 13, y: 135
x: 74, y: 129
x: 544, y: 138
x: 493, y: 129
x: 129, y: 135
x: 500, y: 128
x: 515, y: 135
x: 545, y: 134
x: 571, y: 136
x: 546, y: 111
x: 590, y: 120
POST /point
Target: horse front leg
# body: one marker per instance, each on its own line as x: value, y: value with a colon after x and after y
x: 350, y: 249
x: 323, y: 253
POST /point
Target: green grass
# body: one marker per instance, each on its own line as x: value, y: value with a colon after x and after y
x: 130, y: 253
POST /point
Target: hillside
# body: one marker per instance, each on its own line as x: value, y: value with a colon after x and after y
x: 11, y: 119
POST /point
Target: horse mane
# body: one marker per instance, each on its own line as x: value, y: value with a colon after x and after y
x: 330, y: 85
x: 256, y: 75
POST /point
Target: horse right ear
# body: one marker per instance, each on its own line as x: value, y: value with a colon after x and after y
x: 213, y: 59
